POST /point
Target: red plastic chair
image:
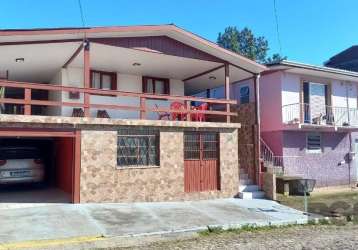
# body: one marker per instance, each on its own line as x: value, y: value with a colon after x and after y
x: 200, y: 117
x: 175, y: 115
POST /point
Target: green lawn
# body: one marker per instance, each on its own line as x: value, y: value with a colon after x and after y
x: 344, y: 202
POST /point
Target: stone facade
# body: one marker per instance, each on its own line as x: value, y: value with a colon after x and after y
x: 247, y: 135
x: 103, y: 181
x: 269, y: 185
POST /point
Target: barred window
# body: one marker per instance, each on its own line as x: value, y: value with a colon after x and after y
x: 200, y: 145
x: 138, y: 147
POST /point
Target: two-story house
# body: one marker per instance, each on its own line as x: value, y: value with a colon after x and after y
x: 115, y: 112
x: 309, y: 119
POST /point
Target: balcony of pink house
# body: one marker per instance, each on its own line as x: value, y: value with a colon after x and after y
x: 112, y: 79
x: 308, y: 116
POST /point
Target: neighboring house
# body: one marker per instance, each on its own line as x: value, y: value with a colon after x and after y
x: 347, y: 59
x: 308, y: 119
x: 97, y: 95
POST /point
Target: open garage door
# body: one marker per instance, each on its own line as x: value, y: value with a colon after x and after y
x: 38, y: 166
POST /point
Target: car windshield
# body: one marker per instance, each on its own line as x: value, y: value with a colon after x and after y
x: 19, y: 153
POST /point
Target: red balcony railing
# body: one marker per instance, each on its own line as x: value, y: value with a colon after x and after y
x: 27, y: 101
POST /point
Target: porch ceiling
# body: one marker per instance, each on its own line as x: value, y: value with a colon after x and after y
x: 41, y: 61
x: 109, y: 58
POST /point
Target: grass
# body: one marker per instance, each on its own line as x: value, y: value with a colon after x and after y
x: 253, y: 228
x: 342, y: 202
x: 319, y: 203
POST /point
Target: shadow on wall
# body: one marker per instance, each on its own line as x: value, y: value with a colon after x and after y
x: 329, y: 141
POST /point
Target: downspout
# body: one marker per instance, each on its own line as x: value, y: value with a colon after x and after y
x: 258, y: 128
x: 349, y: 136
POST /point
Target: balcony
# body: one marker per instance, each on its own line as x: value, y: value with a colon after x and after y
x: 28, y: 102
x: 304, y: 115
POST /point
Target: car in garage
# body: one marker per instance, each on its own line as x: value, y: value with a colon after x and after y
x: 21, y: 164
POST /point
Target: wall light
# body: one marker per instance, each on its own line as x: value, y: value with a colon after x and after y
x: 20, y: 60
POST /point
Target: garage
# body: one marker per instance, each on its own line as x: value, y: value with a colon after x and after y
x: 39, y: 166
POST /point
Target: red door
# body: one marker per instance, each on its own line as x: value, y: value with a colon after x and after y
x: 201, y: 161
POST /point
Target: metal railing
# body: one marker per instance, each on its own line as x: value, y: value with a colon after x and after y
x: 319, y: 115
x: 268, y: 156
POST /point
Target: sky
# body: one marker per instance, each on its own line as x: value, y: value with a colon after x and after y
x: 311, y: 31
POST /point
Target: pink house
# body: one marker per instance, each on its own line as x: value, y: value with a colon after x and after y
x: 309, y: 119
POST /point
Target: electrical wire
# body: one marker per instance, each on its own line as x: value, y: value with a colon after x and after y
x: 277, y: 26
x: 81, y: 11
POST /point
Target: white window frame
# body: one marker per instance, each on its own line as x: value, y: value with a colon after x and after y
x: 314, y: 151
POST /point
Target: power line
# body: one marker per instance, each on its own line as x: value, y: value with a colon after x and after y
x: 81, y: 11
x: 277, y: 27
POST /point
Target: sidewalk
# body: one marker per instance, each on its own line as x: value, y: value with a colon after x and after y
x: 93, y: 221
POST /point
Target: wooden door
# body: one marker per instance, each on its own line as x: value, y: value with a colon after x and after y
x: 201, y: 161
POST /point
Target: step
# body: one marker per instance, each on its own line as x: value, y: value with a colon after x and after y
x: 245, y: 182
x: 252, y: 195
x: 248, y: 188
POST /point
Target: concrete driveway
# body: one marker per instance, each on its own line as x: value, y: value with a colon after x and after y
x: 50, y: 221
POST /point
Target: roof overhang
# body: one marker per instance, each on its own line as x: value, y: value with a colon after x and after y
x: 313, y: 70
x: 46, y: 50
x: 172, y: 31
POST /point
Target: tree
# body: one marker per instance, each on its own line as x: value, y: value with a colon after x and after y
x: 245, y: 43
x: 276, y: 58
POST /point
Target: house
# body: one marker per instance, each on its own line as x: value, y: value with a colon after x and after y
x: 309, y: 121
x: 347, y: 59
x: 116, y: 110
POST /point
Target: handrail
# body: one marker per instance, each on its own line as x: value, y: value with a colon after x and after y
x: 93, y: 91
x: 27, y: 101
x: 268, y: 156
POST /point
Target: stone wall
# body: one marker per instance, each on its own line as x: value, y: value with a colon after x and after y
x: 103, y: 181
x: 246, y: 135
x: 269, y: 185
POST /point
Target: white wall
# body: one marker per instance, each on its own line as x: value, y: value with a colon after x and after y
x: 219, y: 92
x: 339, y: 94
x: 235, y: 90
x: 129, y: 83
x: 291, y: 94
x: 55, y: 95
x: 290, y: 89
x: 290, y: 97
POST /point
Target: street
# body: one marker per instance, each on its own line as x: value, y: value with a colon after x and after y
x: 297, y: 237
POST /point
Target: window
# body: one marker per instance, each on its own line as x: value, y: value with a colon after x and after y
x: 244, y: 94
x: 103, y: 80
x: 200, y: 146
x: 159, y: 86
x: 316, y: 99
x: 138, y: 147
x: 314, y: 143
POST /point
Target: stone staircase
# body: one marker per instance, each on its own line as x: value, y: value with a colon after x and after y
x: 247, y: 190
